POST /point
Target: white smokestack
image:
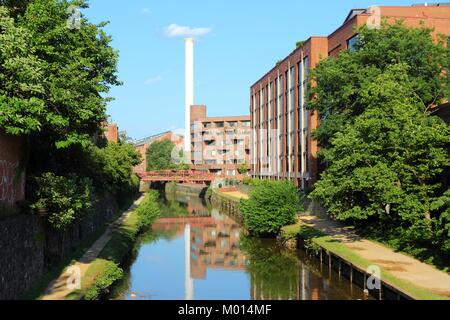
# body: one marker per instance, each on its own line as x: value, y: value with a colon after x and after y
x: 189, y: 91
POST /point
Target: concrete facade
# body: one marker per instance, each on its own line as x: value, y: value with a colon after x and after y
x: 282, y: 147
x: 219, y: 144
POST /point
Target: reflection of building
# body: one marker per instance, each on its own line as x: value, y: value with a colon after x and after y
x: 143, y: 144
x: 210, y: 242
x: 216, y: 246
x: 282, y: 146
x: 219, y: 144
x: 213, y: 242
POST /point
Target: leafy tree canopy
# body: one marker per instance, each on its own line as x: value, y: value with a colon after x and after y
x: 159, y: 155
x: 385, y: 167
x: 21, y: 79
x: 339, y: 80
x: 54, y: 78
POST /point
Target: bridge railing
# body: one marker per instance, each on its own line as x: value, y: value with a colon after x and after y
x: 184, y: 175
x: 176, y: 174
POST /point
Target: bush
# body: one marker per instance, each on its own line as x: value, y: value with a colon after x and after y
x: 63, y: 199
x: 252, y: 181
x: 272, y: 205
x: 111, y: 274
x: 243, y: 168
x: 231, y: 182
x: 128, y: 192
x: 111, y: 167
x: 149, y: 210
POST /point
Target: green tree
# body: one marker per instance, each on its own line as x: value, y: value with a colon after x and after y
x: 78, y: 66
x: 65, y: 199
x: 272, y: 205
x: 111, y: 167
x: 339, y: 80
x: 159, y: 155
x: 385, y: 165
x: 20, y: 79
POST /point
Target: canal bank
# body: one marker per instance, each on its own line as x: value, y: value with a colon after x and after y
x: 90, y: 276
x: 196, y: 250
x: 333, y: 245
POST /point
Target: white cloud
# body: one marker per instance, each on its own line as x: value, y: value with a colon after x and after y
x: 146, y: 11
x: 174, y: 31
x: 153, y: 80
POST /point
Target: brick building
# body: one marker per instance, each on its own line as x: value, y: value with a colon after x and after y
x: 282, y: 147
x: 219, y: 144
x: 112, y: 132
x: 143, y: 144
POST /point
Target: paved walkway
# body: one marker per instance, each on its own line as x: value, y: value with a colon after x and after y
x: 236, y: 194
x: 58, y: 288
x: 397, y: 264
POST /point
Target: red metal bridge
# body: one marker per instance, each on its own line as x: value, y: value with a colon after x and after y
x: 188, y: 176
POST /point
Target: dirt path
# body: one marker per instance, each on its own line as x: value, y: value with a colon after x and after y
x: 397, y: 264
x: 58, y: 289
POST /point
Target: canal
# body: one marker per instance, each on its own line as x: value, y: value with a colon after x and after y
x: 197, y: 252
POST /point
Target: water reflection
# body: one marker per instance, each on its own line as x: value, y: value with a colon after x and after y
x: 195, y: 252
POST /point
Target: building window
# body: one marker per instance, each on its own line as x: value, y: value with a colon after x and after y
x: 231, y: 172
x: 351, y: 43
x: 219, y: 124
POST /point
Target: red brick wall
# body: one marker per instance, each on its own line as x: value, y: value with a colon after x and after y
x: 11, y: 189
x: 112, y: 133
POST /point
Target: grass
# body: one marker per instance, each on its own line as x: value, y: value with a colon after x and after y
x: 339, y: 249
x: 60, y: 268
x: 38, y: 291
x: 105, y: 270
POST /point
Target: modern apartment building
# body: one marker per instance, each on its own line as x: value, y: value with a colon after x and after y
x: 282, y: 147
x: 219, y: 144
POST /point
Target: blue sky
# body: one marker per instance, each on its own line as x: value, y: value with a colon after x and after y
x: 241, y: 40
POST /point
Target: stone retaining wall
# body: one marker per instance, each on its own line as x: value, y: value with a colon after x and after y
x: 30, y: 248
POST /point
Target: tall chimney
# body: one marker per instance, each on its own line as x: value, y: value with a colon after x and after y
x: 189, y: 91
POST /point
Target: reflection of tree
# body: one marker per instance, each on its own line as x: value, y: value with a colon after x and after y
x: 274, y: 271
x: 147, y: 238
x: 173, y: 208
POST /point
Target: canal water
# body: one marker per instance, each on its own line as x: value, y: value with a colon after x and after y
x: 197, y: 252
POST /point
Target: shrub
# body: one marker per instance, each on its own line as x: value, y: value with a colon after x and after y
x: 272, y: 205
x: 112, y: 273
x: 231, y: 182
x: 243, y: 168
x: 64, y: 199
x: 111, y: 167
x: 149, y: 210
x: 252, y: 181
